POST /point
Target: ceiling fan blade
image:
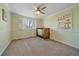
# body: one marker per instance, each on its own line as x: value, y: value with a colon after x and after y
x: 39, y: 6
x: 42, y: 12
x: 43, y: 8
x: 39, y: 9
x: 34, y: 8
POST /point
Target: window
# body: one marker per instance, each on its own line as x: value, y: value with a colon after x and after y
x: 28, y: 23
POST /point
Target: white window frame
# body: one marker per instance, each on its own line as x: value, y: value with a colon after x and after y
x: 28, y: 26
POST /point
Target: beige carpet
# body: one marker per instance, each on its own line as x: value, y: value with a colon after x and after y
x: 39, y: 47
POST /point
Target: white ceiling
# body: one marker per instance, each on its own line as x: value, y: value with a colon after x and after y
x: 26, y: 9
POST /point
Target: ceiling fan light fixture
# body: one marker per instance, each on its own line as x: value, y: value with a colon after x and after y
x: 38, y: 13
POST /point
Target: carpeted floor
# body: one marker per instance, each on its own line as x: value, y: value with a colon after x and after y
x: 39, y: 47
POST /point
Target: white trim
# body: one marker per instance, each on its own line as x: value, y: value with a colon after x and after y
x: 67, y: 44
x: 5, y: 47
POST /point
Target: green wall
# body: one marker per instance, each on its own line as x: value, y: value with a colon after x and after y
x: 4, y: 29
x: 69, y: 37
x: 16, y: 28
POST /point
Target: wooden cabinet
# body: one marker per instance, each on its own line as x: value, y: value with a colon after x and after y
x: 43, y: 33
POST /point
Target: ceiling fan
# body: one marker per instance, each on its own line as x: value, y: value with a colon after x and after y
x: 39, y: 10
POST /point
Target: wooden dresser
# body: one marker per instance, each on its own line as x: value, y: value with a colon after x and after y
x: 43, y: 33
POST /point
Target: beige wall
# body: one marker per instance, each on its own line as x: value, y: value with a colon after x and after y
x: 39, y: 23
x: 70, y: 37
x: 4, y: 29
x: 17, y: 31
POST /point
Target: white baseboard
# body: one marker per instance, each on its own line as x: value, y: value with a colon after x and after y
x: 5, y: 47
x: 68, y: 44
x: 25, y: 37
